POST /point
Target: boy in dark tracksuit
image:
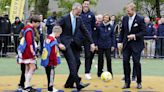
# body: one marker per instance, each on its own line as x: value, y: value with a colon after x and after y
x: 105, y: 44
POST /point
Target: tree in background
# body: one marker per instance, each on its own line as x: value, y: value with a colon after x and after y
x: 150, y: 7
x: 3, y: 4
x: 41, y: 7
x: 66, y: 5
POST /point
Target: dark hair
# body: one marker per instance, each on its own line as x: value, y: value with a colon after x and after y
x: 16, y: 18
x: 113, y: 15
x: 86, y: 0
x: 54, y: 12
x: 35, y: 18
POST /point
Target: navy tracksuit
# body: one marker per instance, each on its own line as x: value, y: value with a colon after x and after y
x: 51, y: 22
x: 150, y: 30
x: 106, y: 40
x: 89, y: 22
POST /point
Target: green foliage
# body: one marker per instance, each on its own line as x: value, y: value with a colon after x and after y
x: 4, y: 3
x: 66, y: 5
x: 149, y: 7
x: 30, y: 2
x: 41, y: 7
x: 151, y: 67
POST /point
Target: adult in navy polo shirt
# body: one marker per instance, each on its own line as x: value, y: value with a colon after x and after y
x: 149, y: 49
x: 89, y: 21
x: 51, y: 21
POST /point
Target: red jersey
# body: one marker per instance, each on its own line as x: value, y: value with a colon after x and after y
x: 53, y: 54
x: 29, y: 40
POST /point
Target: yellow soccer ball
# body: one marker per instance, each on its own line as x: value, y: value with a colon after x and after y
x: 106, y: 76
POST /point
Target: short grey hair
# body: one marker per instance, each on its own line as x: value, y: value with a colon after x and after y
x: 147, y: 18
x: 76, y: 5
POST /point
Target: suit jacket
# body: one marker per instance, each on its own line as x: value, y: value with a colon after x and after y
x: 67, y: 36
x: 138, y: 28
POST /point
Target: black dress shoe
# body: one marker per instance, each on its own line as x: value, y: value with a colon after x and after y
x: 126, y: 85
x: 69, y: 86
x: 139, y: 86
x: 82, y: 85
x: 30, y: 89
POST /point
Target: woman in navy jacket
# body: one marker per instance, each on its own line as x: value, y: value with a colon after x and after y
x: 105, y: 44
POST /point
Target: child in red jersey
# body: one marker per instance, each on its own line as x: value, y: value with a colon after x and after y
x: 28, y: 56
x: 53, y: 57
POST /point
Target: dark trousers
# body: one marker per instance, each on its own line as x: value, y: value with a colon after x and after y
x: 41, y: 43
x: 50, y: 77
x: 22, y: 78
x: 88, y: 57
x: 3, y: 40
x: 134, y: 72
x: 16, y: 43
x: 72, y: 56
x: 161, y: 48
x: 101, y: 60
x: 136, y: 55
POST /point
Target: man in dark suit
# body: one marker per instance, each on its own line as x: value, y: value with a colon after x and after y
x: 132, y: 36
x: 70, y: 43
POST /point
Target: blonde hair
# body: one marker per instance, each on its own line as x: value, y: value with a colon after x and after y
x: 57, y: 29
x: 132, y: 6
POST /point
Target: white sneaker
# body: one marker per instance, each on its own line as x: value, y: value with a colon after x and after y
x: 88, y: 76
x: 54, y: 90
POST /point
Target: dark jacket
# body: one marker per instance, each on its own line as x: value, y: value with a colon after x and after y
x: 17, y: 27
x: 160, y: 30
x: 51, y: 21
x: 89, y: 20
x: 106, y: 36
x: 67, y: 37
x: 150, y: 30
x: 138, y: 28
x: 5, y: 25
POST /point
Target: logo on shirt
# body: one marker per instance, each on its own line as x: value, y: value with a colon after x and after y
x: 89, y: 16
x: 51, y: 20
x: 109, y: 28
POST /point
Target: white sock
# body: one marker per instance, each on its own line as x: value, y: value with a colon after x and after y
x: 51, y: 78
x: 28, y: 78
